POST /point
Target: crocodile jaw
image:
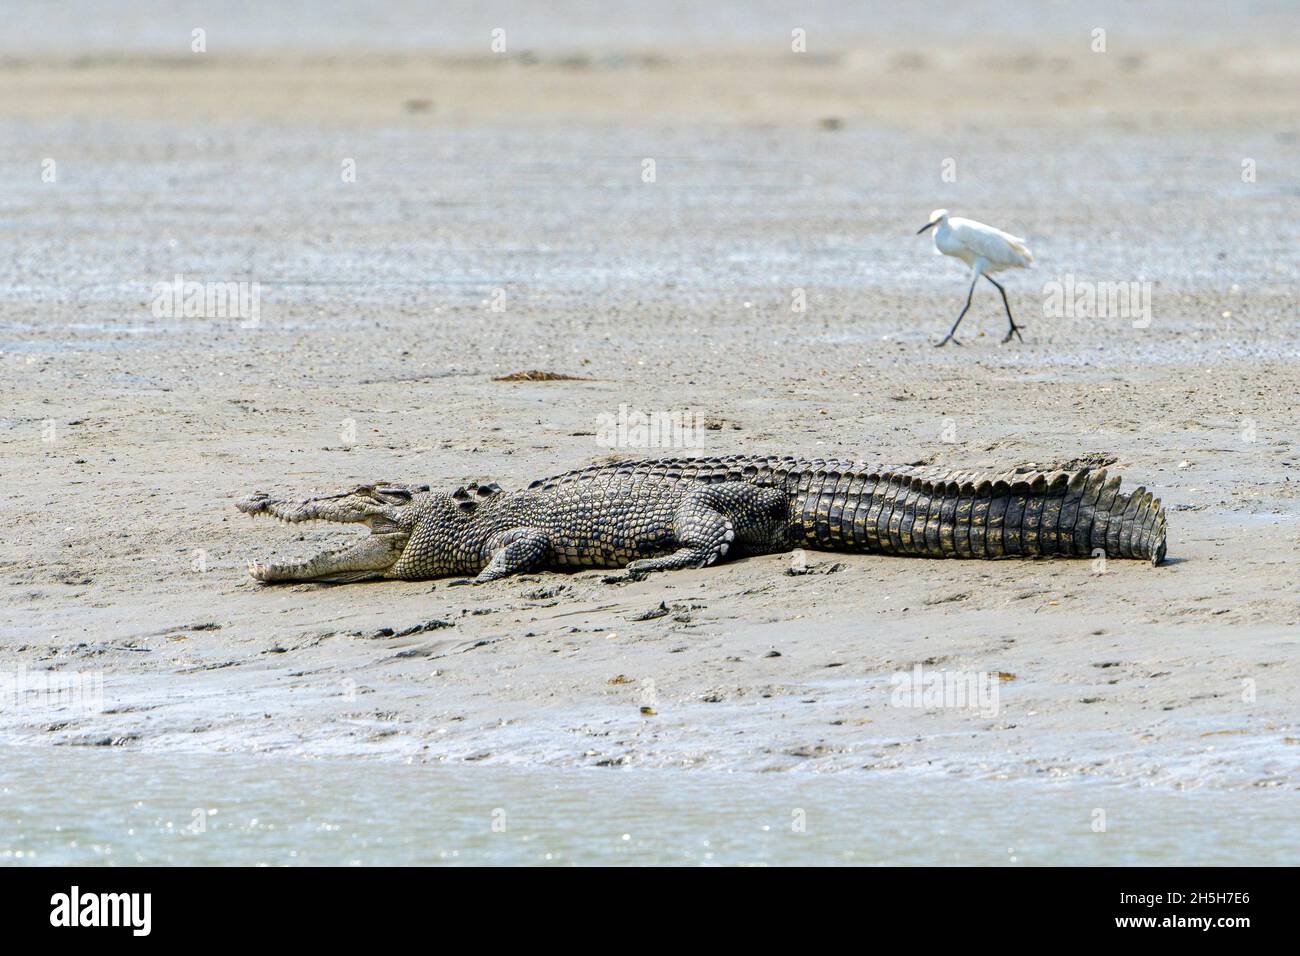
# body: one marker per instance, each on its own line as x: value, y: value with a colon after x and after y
x: 385, y: 509
x: 371, y: 557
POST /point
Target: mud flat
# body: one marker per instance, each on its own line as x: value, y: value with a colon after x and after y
x: 499, y: 221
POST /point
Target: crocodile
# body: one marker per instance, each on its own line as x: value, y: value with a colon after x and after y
x: 663, y: 514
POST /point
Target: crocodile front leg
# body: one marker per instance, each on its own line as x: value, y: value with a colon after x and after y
x: 517, y: 551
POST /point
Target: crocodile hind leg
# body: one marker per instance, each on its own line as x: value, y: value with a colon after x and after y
x: 714, y: 519
x: 519, y: 550
x: 689, y: 556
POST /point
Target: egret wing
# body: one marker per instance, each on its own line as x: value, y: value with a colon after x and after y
x: 991, y: 244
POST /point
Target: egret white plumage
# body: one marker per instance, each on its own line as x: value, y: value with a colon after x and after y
x: 983, y: 248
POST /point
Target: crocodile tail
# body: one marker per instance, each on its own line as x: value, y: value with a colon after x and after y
x: 1084, y: 513
x: 1135, y: 527
x: 965, y: 515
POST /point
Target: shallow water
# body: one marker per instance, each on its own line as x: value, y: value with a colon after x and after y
x: 566, y: 25
x: 113, y: 807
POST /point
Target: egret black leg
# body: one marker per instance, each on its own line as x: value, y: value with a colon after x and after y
x: 964, y: 309
x: 1013, y: 329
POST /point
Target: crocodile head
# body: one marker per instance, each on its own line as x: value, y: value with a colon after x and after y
x: 387, y: 508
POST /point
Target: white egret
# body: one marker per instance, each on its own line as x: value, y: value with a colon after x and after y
x: 985, y: 250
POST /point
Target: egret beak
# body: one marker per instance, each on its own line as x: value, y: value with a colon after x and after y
x: 928, y: 225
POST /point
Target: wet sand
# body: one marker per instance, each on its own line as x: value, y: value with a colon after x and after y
x: 515, y: 183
